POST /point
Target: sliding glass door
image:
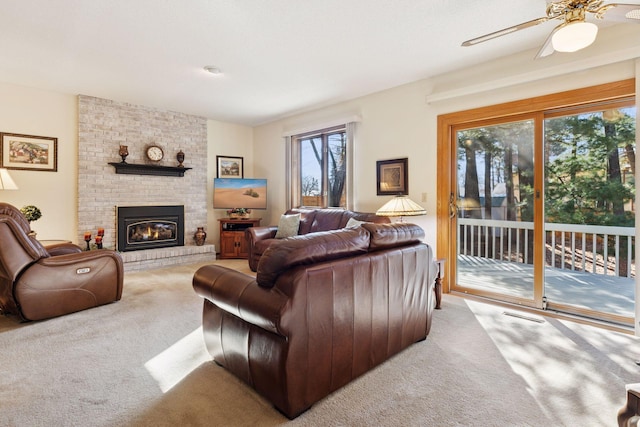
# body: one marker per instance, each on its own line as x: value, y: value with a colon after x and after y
x: 589, y: 193
x: 494, y: 185
x: 541, y: 204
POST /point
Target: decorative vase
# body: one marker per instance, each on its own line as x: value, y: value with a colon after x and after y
x: 180, y: 157
x: 123, y: 152
x: 200, y: 236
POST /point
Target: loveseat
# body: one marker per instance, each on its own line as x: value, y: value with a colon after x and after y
x: 311, y: 221
x: 323, y: 309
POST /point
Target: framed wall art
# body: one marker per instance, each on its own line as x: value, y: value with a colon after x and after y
x: 230, y: 167
x: 28, y: 152
x: 392, y: 177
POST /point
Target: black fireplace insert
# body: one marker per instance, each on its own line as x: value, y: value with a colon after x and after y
x: 150, y: 227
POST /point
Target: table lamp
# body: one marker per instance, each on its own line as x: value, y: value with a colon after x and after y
x: 401, y: 206
x: 6, y: 182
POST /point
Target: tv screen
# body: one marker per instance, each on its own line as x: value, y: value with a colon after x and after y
x: 229, y: 193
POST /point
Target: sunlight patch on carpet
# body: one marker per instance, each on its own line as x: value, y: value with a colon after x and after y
x: 175, y: 363
x: 559, y: 365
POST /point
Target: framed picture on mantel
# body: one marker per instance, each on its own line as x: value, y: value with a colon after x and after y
x: 230, y: 167
x: 28, y: 152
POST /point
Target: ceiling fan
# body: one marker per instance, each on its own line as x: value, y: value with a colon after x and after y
x: 575, y: 32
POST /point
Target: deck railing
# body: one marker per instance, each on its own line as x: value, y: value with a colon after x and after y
x: 589, y: 248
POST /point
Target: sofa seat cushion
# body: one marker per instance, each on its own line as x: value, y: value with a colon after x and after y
x: 309, y: 249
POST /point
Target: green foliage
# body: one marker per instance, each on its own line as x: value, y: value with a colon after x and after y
x: 583, y: 173
x: 589, y: 163
x: 31, y: 213
x: 240, y: 211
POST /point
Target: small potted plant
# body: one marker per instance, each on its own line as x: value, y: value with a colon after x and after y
x: 239, y: 213
x: 31, y: 213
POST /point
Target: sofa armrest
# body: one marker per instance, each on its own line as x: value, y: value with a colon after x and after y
x: 255, y: 234
x: 239, y: 294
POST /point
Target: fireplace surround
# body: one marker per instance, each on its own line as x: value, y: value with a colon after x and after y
x: 149, y: 227
x: 104, y: 125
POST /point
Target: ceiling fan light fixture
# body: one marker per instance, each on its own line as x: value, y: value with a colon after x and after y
x: 574, y: 36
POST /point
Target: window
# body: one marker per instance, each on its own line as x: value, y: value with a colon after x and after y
x: 320, y: 168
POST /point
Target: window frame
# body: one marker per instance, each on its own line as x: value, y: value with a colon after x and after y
x: 295, y: 166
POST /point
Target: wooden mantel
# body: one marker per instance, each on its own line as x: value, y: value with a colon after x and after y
x: 139, y: 169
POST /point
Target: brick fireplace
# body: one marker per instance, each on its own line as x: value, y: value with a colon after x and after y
x: 103, y: 126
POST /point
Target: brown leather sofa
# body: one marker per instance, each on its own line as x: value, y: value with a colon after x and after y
x: 323, y: 309
x: 311, y: 221
x: 38, y: 283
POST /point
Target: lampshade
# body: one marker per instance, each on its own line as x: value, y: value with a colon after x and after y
x: 401, y: 206
x: 6, y: 182
x: 574, y: 36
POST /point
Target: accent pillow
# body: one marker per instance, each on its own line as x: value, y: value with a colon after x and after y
x: 288, y: 226
x: 352, y: 223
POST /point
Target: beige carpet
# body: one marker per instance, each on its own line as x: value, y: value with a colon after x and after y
x: 141, y: 362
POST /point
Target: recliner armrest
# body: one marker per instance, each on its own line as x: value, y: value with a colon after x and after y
x: 239, y: 294
x: 62, y: 249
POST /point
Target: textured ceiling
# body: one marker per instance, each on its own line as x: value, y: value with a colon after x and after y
x: 278, y: 56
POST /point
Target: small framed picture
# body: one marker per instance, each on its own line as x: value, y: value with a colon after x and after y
x: 230, y: 167
x: 392, y: 177
x: 28, y: 152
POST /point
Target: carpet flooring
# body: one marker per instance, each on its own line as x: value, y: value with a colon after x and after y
x: 141, y: 362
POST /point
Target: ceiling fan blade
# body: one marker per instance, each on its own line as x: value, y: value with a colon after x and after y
x: 621, y: 12
x: 547, y: 48
x: 505, y: 31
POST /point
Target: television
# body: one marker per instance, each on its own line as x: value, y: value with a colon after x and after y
x: 249, y: 193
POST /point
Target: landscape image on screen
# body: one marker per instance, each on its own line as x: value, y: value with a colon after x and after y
x: 229, y: 193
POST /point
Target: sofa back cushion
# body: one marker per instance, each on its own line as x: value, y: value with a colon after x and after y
x: 306, y: 218
x: 328, y: 219
x: 385, y: 236
x: 315, y: 220
x: 309, y: 249
x: 369, y: 217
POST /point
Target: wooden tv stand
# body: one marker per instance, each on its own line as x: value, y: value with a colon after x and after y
x: 233, y: 242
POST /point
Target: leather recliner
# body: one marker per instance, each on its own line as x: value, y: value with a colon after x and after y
x: 38, y: 283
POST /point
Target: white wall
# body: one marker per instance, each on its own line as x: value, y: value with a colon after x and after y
x: 394, y: 124
x: 226, y: 139
x: 36, y: 112
x: 399, y: 122
x: 402, y: 121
